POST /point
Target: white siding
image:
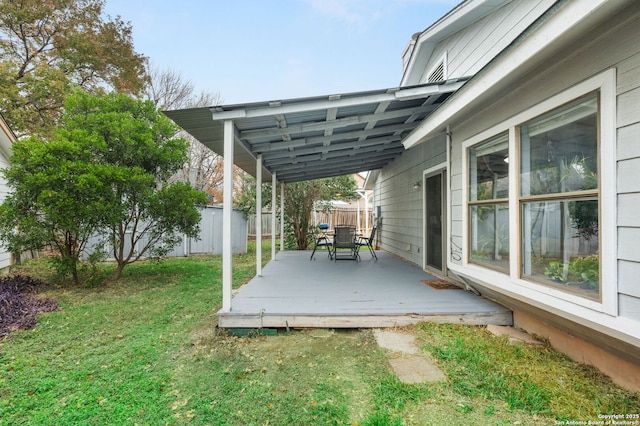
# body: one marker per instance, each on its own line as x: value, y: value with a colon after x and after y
x: 401, y: 228
x: 5, y: 258
x: 628, y: 156
x: 609, y: 45
x: 471, y: 49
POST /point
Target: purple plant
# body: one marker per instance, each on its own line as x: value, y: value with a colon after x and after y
x: 18, y: 305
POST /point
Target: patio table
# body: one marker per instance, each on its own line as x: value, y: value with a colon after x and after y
x: 323, y: 240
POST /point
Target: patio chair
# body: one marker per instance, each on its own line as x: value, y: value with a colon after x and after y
x: 323, y: 240
x: 344, y: 238
x: 364, y: 241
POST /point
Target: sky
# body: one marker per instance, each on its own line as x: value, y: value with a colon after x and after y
x: 261, y: 50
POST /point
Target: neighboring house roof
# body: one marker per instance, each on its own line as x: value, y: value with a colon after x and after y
x: 562, y: 24
x: 317, y: 137
x: 7, y: 137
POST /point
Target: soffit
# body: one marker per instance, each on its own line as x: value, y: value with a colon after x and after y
x: 318, y: 137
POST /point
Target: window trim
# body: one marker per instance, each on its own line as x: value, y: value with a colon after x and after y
x: 605, y: 83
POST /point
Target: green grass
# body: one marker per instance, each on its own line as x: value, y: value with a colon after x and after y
x: 145, y: 350
x: 532, y: 378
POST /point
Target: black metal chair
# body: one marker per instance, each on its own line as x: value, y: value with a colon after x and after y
x: 323, y: 240
x: 364, y: 241
x: 344, y: 238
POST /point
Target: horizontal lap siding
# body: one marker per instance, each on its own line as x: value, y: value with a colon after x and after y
x: 470, y: 50
x: 628, y: 183
x: 5, y: 258
x: 613, y: 45
x: 402, y: 205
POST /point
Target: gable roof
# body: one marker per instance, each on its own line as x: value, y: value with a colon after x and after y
x: 422, y: 44
x: 563, y: 23
x: 317, y: 137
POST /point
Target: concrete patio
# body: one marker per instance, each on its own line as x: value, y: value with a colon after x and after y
x: 296, y: 292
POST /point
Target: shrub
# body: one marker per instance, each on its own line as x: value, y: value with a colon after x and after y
x: 18, y: 306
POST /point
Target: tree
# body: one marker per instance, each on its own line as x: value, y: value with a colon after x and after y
x: 50, y: 48
x: 300, y: 198
x: 105, y: 170
x: 203, y: 169
x: 56, y: 198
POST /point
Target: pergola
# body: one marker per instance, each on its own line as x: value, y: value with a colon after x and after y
x: 307, y: 138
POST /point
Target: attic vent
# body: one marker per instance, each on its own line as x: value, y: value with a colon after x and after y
x: 437, y: 74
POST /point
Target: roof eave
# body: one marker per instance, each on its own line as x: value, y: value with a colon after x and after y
x: 311, y: 138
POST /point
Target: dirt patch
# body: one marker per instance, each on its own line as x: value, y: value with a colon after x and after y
x: 301, y: 363
x: 515, y: 336
x: 441, y: 284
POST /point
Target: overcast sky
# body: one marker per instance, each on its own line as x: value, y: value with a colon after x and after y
x: 260, y: 50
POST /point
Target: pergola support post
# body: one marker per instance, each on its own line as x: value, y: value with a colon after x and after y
x: 259, y: 215
x: 227, y: 210
x: 274, y: 190
x: 282, y: 216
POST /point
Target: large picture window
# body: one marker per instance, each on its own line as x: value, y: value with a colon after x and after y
x: 488, y: 203
x: 559, y: 198
x: 540, y: 209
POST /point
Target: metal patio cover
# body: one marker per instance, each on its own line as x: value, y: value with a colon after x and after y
x: 318, y: 137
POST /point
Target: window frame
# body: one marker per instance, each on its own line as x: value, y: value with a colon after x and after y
x: 556, y: 197
x: 488, y: 202
x: 605, y: 84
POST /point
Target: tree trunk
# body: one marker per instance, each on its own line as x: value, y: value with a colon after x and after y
x: 118, y: 272
x: 75, y: 275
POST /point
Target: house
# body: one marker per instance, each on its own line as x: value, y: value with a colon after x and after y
x: 507, y: 160
x: 6, y: 139
x: 533, y: 167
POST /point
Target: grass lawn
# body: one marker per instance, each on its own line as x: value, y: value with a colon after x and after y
x: 145, y: 351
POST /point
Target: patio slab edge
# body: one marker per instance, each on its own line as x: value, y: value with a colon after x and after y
x: 233, y: 320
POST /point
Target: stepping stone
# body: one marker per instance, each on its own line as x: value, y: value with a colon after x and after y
x: 416, y: 369
x: 411, y: 366
x: 395, y: 341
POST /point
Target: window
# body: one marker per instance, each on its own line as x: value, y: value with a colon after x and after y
x: 559, y: 198
x: 488, y: 203
x: 540, y: 202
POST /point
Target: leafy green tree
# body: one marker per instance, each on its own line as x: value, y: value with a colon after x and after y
x: 300, y: 198
x: 105, y: 171
x: 49, y: 48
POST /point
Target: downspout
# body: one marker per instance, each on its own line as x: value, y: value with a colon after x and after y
x: 449, y: 272
x: 449, y: 142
